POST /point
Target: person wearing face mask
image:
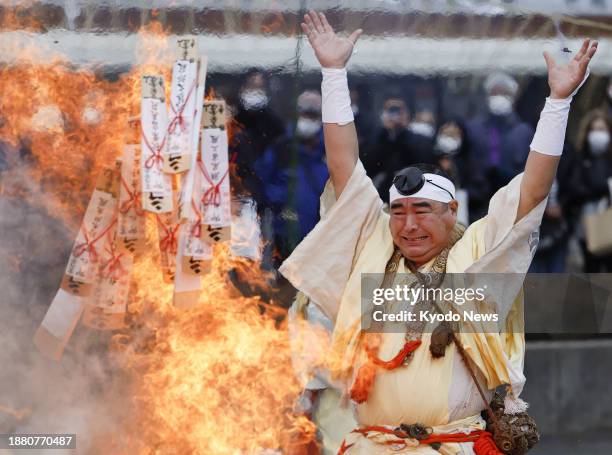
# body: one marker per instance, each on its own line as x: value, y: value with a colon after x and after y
x: 294, y: 172
x: 451, y: 150
x: 423, y: 124
x: 500, y: 139
x: 395, y: 146
x: 254, y: 115
x: 591, y: 182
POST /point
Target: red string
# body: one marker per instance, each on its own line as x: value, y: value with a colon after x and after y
x: 196, y: 230
x: 133, y: 201
x: 89, y: 245
x: 113, y: 267
x: 169, y: 242
x: 179, y: 119
x: 156, y: 156
x: 213, y: 194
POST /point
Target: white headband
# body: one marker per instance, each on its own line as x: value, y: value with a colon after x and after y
x: 436, y: 188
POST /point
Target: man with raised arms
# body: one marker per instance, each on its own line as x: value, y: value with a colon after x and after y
x: 400, y: 383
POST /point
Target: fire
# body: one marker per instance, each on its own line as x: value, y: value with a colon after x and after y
x: 72, y: 121
x: 20, y: 17
x: 216, y: 379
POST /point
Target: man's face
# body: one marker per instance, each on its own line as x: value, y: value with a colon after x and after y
x: 421, y: 227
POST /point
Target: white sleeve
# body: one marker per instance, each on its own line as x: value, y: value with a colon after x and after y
x: 509, y: 247
x: 321, y: 264
x: 503, y: 234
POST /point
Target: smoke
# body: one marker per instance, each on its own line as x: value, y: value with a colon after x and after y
x: 209, y: 368
x: 38, y: 395
x: 222, y: 369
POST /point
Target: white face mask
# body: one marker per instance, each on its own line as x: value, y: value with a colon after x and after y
x: 307, y: 127
x: 598, y: 142
x: 448, y: 145
x: 254, y: 99
x: 421, y: 128
x: 500, y: 105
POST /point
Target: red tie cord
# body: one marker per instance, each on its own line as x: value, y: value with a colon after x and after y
x: 179, y: 118
x: 89, y: 245
x: 133, y: 201
x: 169, y: 242
x: 196, y: 230
x: 483, y: 440
x: 156, y: 156
x: 113, y: 267
x: 213, y: 194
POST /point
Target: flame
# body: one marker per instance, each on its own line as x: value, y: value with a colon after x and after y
x: 216, y: 379
x: 20, y: 17
x: 72, y: 122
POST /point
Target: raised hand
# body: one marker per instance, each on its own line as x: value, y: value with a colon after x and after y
x: 564, y: 79
x: 331, y: 50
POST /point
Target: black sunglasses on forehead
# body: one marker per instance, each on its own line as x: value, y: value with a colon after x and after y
x: 410, y: 180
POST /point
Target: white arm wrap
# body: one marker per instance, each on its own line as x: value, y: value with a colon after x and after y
x: 550, y: 132
x: 336, y: 106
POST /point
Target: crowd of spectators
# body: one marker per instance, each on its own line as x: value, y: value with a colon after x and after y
x: 281, y: 163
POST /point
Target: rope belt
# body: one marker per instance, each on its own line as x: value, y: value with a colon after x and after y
x: 415, y: 435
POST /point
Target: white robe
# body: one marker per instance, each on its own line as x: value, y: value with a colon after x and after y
x: 353, y: 238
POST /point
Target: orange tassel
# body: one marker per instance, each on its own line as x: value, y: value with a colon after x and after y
x: 485, y: 445
x: 363, y: 382
x: 398, y: 360
x: 367, y: 372
x: 344, y: 448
